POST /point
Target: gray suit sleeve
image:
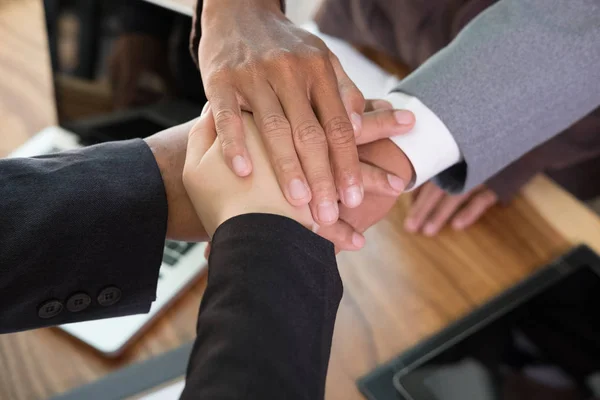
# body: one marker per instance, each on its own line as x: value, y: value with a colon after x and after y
x: 518, y: 74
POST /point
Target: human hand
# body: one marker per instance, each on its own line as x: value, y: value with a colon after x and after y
x: 433, y: 208
x: 218, y: 194
x: 307, y: 109
x: 138, y: 70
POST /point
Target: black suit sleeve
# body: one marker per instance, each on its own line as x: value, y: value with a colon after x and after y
x: 85, y: 223
x: 266, y: 320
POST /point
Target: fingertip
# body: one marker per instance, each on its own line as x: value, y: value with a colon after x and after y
x: 356, y: 121
x: 353, y: 196
x: 358, y: 240
x: 241, y: 166
x: 410, y: 225
x: 327, y: 212
x: 298, y: 192
x: 404, y: 117
x: 430, y: 229
x: 458, y: 224
x: 396, y: 183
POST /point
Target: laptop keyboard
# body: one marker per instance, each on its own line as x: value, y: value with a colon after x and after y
x: 174, y: 251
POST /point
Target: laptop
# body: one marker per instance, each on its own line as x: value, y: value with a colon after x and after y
x: 86, y: 117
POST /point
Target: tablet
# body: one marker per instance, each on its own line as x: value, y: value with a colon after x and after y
x: 539, y: 344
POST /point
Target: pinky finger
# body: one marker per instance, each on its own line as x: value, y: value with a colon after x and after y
x: 474, y: 210
x: 379, y: 181
x: 343, y: 236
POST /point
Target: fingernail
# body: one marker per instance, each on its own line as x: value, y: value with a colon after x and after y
x: 328, y: 211
x: 240, y: 166
x: 430, y: 229
x: 458, y: 225
x: 396, y: 183
x: 404, y: 117
x: 298, y: 190
x: 409, y: 225
x: 382, y: 105
x: 358, y: 240
x: 204, y: 109
x: 356, y: 123
x: 353, y: 196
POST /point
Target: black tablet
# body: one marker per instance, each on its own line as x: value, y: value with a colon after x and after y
x: 543, y: 344
x: 538, y: 340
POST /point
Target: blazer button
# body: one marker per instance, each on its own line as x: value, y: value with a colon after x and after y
x: 78, y: 302
x: 109, y: 296
x: 50, y: 309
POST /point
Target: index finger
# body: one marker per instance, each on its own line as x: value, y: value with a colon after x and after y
x: 340, y: 138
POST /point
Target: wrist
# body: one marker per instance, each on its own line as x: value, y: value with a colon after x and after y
x: 168, y: 148
x: 213, y: 8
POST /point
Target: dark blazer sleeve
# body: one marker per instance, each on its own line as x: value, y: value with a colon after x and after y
x: 266, y: 320
x: 81, y: 235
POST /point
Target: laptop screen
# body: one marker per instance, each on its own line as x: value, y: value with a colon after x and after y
x: 122, y: 69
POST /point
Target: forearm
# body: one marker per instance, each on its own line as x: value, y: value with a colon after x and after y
x: 78, y: 223
x: 267, y: 317
x: 518, y: 74
x: 169, y: 149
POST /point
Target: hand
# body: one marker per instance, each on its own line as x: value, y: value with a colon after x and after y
x: 218, y: 194
x: 254, y: 59
x: 383, y: 154
x: 433, y: 208
x: 138, y: 70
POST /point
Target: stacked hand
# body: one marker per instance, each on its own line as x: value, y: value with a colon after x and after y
x: 218, y: 194
x: 306, y: 108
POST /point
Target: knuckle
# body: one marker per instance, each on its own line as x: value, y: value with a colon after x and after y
x: 340, y: 132
x: 286, y: 164
x: 275, y: 125
x: 310, y: 134
x: 281, y: 58
x: 225, y: 118
x: 230, y: 145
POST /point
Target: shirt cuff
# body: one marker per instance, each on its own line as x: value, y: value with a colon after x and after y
x: 430, y: 146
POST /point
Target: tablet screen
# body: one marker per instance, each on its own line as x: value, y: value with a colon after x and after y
x: 546, y: 348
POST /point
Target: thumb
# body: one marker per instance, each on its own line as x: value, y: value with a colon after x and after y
x: 385, y: 123
x: 201, y: 137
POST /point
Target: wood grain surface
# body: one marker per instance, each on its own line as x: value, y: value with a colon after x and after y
x: 398, y: 290
x: 26, y: 91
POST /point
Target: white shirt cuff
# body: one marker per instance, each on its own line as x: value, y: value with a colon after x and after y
x: 430, y: 146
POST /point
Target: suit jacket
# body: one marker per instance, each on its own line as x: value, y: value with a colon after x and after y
x: 81, y: 237
x: 506, y: 77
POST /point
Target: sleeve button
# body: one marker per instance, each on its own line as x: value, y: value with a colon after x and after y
x: 50, y: 309
x: 109, y: 296
x: 78, y: 302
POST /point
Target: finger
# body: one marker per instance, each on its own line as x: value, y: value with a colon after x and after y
x: 279, y: 143
x: 382, y: 124
x: 474, y: 209
x: 352, y: 97
x: 424, y: 204
x: 207, y: 251
x: 442, y: 214
x: 229, y: 126
x: 343, y: 236
x: 379, y: 181
x: 201, y: 137
x: 340, y: 138
x: 311, y: 146
x: 377, y: 104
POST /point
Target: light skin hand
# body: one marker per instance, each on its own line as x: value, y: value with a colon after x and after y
x: 212, y: 185
x: 305, y: 106
x: 433, y: 208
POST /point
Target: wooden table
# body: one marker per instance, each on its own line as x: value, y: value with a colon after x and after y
x: 26, y: 91
x: 398, y: 290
